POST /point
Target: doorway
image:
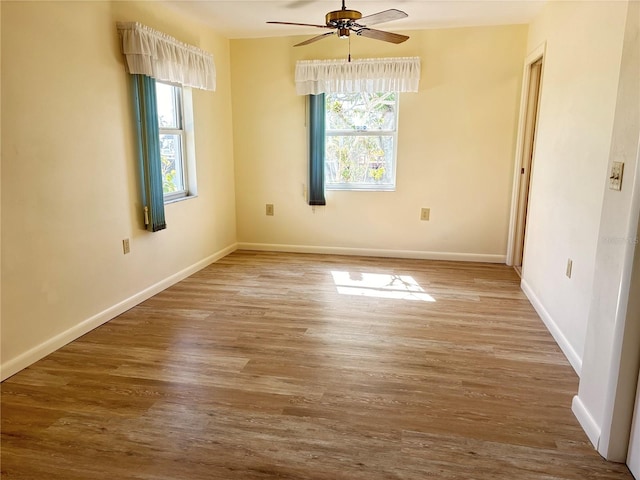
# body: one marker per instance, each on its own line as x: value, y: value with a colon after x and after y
x: 527, y: 125
x: 534, y: 76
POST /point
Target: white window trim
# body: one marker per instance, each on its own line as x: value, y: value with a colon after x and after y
x: 190, y: 142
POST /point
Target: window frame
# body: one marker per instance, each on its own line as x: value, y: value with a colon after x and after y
x: 372, y: 187
x: 184, y: 113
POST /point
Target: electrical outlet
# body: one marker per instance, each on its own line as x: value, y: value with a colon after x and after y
x: 615, y: 177
x: 569, y: 267
x: 269, y: 209
x: 126, y: 248
x: 424, y: 214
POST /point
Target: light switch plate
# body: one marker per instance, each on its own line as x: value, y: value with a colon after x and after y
x: 615, y: 177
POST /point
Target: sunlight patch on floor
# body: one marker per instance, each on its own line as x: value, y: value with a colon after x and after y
x: 401, y: 287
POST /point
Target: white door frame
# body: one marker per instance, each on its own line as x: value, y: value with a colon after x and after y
x: 622, y: 386
x: 624, y: 361
x: 633, y: 453
x: 533, y: 57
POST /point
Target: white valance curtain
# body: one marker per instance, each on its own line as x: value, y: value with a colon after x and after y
x: 400, y: 74
x: 153, y: 53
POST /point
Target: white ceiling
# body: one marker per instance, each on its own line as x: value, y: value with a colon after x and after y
x: 246, y: 18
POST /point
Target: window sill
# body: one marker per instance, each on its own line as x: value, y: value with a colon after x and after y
x: 179, y: 199
x: 361, y: 189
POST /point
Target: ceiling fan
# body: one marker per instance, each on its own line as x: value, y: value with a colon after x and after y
x: 345, y: 21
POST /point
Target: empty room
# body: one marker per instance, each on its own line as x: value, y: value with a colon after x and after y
x: 320, y: 239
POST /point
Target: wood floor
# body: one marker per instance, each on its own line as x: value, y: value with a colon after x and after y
x: 283, y: 366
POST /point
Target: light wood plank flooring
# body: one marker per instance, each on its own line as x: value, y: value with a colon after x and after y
x: 284, y: 366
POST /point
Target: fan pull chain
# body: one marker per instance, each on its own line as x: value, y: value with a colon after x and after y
x: 349, y: 49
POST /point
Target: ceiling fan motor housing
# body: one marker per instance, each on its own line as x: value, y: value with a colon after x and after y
x: 342, y: 18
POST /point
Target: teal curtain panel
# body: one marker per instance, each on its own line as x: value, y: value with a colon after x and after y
x: 316, y: 149
x: 144, y: 92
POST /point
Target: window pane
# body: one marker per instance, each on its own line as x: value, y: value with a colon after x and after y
x: 366, y: 160
x: 168, y: 105
x: 171, y: 156
x: 361, y: 111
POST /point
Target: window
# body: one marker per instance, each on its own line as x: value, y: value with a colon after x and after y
x: 360, y: 141
x: 176, y: 145
x: 164, y: 114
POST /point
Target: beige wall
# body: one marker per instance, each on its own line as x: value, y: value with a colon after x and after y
x: 0, y: 182
x: 569, y: 174
x: 69, y: 184
x: 588, y: 118
x: 455, y: 152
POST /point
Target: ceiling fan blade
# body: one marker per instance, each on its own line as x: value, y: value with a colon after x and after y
x: 302, y: 24
x: 299, y: 3
x: 314, y: 39
x: 381, y: 17
x: 380, y: 35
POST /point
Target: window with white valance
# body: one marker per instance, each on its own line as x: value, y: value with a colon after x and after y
x: 353, y: 115
x: 160, y: 56
x: 371, y: 75
x: 163, y: 70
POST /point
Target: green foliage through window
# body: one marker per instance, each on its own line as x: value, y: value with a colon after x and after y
x: 360, y: 140
x: 170, y: 121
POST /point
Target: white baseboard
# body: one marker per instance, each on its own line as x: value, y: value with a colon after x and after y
x: 374, y: 252
x: 586, y: 421
x: 552, y: 326
x: 14, y: 365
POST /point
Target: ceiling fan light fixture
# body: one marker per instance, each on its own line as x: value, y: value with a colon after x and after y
x: 343, y: 33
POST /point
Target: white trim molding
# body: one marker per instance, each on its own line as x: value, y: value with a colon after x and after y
x: 574, y: 359
x: 14, y: 365
x: 374, y: 252
x: 588, y: 424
